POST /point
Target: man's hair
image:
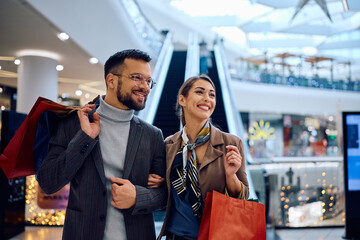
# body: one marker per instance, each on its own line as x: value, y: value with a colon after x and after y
x: 116, y: 60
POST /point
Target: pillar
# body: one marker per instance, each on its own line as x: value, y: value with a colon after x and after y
x: 37, y: 76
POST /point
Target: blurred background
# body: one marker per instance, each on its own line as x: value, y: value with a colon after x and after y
x: 284, y: 70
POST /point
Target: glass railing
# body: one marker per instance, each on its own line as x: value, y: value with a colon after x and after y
x: 192, y: 56
x: 159, y: 74
x: 233, y: 117
x: 301, y: 192
x: 146, y: 31
x: 315, y: 82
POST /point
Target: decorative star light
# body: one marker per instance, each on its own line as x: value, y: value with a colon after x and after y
x: 321, y: 3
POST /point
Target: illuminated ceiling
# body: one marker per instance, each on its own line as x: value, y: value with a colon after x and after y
x: 296, y: 26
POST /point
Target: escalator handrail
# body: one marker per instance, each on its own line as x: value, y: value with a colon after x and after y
x: 159, y: 74
x: 233, y: 117
x: 192, y: 57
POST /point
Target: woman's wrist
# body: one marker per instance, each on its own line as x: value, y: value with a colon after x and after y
x: 234, y: 185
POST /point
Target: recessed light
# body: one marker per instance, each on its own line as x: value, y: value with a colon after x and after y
x: 17, y: 61
x: 59, y: 67
x: 93, y: 60
x: 63, y: 36
x: 78, y: 92
x: 87, y: 95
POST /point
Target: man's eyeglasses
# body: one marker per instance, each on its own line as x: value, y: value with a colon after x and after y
x: 138, y: 79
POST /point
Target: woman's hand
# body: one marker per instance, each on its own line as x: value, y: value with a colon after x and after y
x: 154, y: 180
x: 233, y: 160
x: 232, y: 164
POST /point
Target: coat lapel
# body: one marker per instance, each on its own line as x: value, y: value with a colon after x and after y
x: 172, y: 146
x: 99, y: 163
x: 212, y: 152
x: 97, y: 154
x: 132, y: 146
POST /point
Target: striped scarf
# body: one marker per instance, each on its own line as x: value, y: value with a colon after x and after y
x: 184, y: 173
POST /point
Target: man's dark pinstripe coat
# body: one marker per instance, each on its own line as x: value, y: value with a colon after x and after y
x: 75, y: 157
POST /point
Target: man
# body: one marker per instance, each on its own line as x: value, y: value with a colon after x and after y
x: 108, y: 158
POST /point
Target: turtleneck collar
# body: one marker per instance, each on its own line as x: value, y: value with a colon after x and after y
x: 112, y: 113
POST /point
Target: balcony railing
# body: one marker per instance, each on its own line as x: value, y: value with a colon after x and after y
x: 315, y: 82
x: 153, y: 38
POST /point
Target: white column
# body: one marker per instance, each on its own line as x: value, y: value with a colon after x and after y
x: 37, y: 76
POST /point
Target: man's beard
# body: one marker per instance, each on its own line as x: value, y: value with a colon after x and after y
x: 128, y: 101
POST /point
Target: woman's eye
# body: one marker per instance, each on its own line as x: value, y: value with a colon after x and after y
x: 199, y: 92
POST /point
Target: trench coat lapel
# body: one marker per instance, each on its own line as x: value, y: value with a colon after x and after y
x: 135, y: 135
x: 212, y: 151
x: 172, y: 146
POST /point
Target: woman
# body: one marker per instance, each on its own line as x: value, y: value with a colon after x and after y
x: 199, y: 158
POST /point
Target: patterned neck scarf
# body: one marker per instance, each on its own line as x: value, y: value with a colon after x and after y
x: 184, y: 173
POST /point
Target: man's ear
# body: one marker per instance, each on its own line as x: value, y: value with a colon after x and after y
x: 110, y: 80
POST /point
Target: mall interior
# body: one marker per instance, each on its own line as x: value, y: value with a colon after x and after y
x: 286, y: 73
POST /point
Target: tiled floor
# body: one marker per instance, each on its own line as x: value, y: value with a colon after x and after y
x: 54, y: 233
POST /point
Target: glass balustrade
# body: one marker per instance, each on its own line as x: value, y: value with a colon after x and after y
x: 301, y: 192
x: 146, y: 31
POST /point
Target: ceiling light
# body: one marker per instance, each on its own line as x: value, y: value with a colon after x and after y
x: 0, y: 67
x: 63, y: 36
x: 93, y: 60
x: 78, y: 92
x: 17, y: 61
x: 87, y: 95
x: 59, y: 67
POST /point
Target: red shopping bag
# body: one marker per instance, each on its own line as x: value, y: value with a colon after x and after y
x: 17, y: 159
x: 227, y: 218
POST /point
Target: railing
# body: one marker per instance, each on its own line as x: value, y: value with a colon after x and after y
x: 159, y: 74
x: 145, y: 29
x: 233, y: 117
x: 302, y: 192
x: 316, y: 82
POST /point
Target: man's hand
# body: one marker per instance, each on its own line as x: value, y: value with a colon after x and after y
x: 91, y: 129
x: 154, y: 180
x: 123, y: 193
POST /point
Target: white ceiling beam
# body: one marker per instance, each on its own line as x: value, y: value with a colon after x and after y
x: 219, y: 21
x: 340, y: 45
x: 281, y: 43
x: 346, y: 24
x: 277, y: 3
x: 311, y: 30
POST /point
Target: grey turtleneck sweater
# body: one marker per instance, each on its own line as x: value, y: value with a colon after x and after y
x: 113, y: 138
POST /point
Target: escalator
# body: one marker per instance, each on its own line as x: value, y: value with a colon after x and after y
x: 218, y: 117
x: 166, y: 118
